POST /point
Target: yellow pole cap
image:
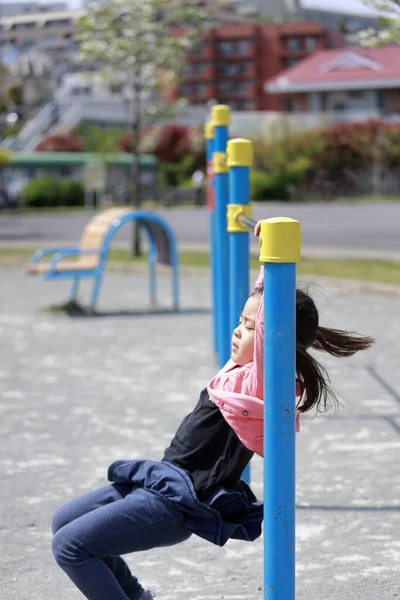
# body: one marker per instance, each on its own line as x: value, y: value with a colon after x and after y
x: 240, y: 153
x: 280, y: 240
x: 221, y: 114
x: 209, y: 130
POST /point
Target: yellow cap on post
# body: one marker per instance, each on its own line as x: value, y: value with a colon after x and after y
x: 280, y: 240
x: 221, y: 115
x: 209, y: 130
x: 240, y: 153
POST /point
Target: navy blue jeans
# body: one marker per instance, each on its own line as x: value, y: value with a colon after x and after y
x: 92, y: 531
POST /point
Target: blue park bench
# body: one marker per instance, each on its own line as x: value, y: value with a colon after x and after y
x: 91, y: 255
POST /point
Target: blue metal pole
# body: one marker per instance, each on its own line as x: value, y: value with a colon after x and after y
x: 239, y: 264
x: 240, y: 155
x: 279, y: 250
x: 209, y: 136
x: 221, y: 118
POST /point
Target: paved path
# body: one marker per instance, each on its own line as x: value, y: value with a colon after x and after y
x: 78, y: 393
x: 366, y: 230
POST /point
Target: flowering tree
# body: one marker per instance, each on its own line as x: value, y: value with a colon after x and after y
x: 390, y: 20
x: 60, y: 142
x: 133, y: 42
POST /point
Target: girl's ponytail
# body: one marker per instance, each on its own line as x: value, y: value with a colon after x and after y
x: 312, y: 376
x: 340, y: 343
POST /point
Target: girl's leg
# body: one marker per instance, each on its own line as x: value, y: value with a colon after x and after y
x: 87, y: 503
x: 139, y: 521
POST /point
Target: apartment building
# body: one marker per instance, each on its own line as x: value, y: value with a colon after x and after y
x: 232, y: 63
x: 27, y: 30
x: 12, y: 9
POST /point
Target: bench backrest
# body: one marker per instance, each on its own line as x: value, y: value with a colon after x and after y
x: 94, y: 234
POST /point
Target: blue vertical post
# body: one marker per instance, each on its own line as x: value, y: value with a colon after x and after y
x: 280, y: 243
x: 240, y: 158
x: 221, y: 118
x: 209, y: 137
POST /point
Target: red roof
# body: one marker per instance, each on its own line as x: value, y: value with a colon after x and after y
x: 344, y: 68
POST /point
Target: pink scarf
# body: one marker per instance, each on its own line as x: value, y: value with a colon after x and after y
x: 239, y: 391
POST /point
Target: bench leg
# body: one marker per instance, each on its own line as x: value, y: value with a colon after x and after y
x: 96, y: 289
x: 74, y: 289
x: 152, y: 281
x: 175, y: 285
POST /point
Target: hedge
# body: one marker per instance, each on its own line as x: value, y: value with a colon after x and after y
x: 48, y: 192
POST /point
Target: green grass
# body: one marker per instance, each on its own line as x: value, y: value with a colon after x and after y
x: 380, y: 271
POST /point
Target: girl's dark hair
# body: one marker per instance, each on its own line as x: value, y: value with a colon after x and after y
x: 312, y: 376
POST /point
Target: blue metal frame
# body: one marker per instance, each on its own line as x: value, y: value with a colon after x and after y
x: 221, y: 186
x: 239, y: 263
x: 279, y: 430
x: 213, y: 234
x: 141, y: 215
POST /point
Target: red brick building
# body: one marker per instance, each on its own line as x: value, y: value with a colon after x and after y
x: 232, y: 63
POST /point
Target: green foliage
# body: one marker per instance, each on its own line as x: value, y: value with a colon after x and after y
x: 5, y: 158
x: 97, y: 139
x: 49, y: 192
x: 73, y: 192
x: 338, y: 154
x: 15, y: 92
x: 280, y: 183
x: 389, y: 33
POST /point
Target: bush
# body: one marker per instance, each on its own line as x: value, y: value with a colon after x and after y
x: 5, y: 158
x: 73, y: 193
x: 280, y: 183
x: 50, y: 192
x: 60, y: 142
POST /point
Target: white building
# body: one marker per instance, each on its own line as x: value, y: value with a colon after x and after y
x: 12, y: 9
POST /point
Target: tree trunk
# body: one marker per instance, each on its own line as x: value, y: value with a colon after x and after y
x: 136, y: 170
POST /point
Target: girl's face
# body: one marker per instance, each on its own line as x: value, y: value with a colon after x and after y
x: 243, y: 335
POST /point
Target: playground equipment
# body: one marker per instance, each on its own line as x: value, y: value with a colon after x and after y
x: 91, y: 255
x: 280, y: 243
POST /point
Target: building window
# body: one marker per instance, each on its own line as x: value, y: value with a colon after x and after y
x: 199, y: 48
x: 381, y: 100
x: 226, y: 86
x: 58, y: 23
x: 288, y: 104
x: 245, y: 86
x: 226, y: 47
x: 311, y: 43
x: 20, y: 26
x: 199, y: 89
x: 293, y: 43
x: 290, y: 62
x: 198, y: 68
x: 81, y: 91
x: 243, y: 66
x: 244, y: 46
x: 186, y: 89
x: 246, y: 105
x: 187, y: 70
x: 228, y: 68
x: 356, y: 94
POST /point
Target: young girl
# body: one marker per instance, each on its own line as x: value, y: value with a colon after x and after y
x: 196, y: 488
